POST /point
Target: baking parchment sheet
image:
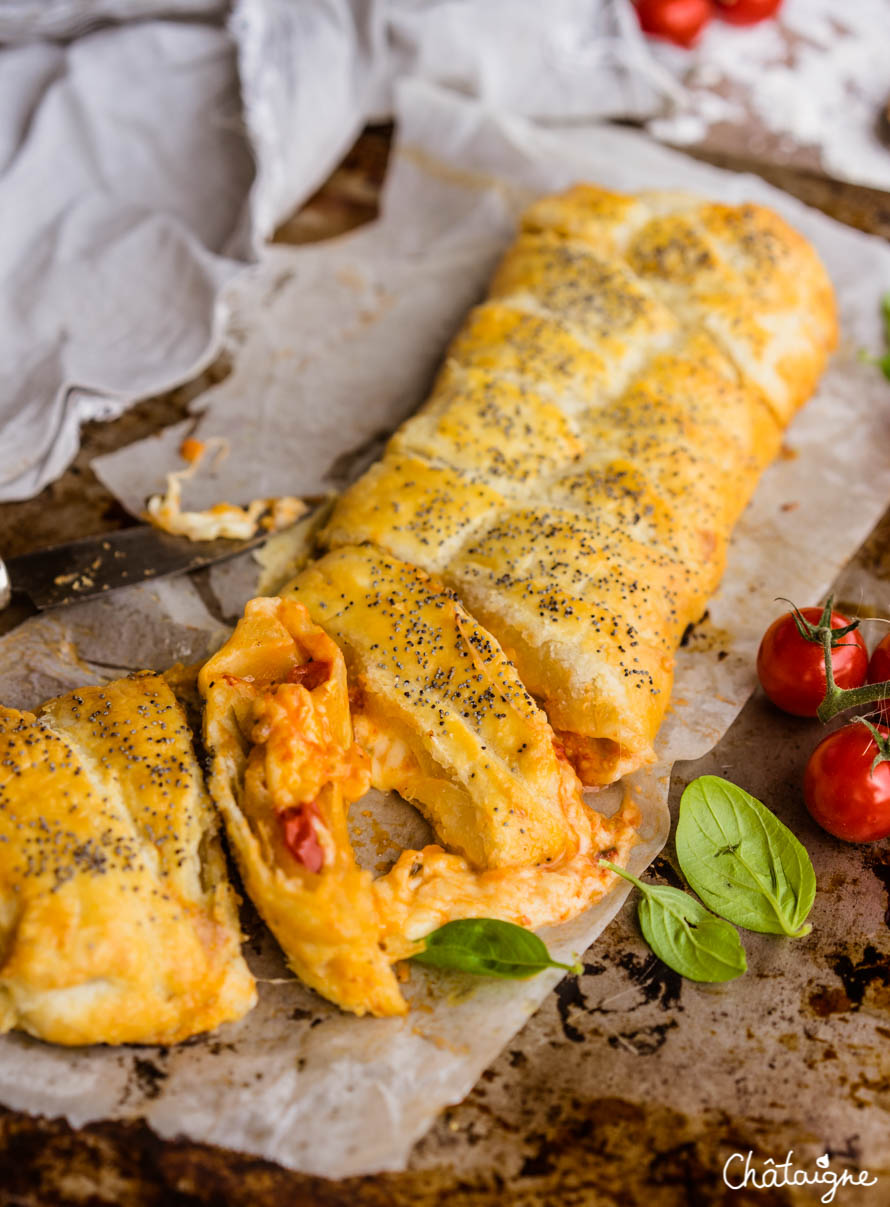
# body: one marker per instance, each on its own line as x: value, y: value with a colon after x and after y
x: 332, y: 345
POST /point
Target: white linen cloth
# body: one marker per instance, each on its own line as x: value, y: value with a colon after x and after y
x: 123, y: 175
x: 126, y: 164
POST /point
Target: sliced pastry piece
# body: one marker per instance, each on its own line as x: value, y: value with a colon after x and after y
x: 285, y: 765
x: 441, y: 710
x: 284, y: 770
x: 118, y: 923
x: 426, y: 889
x: 438, y: 716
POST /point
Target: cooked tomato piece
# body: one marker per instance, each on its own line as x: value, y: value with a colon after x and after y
x: 310, y: 674
x: 300, y: 838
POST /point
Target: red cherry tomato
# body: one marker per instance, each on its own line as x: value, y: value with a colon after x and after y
x: 879, y: 672
x: 842, y: 792
x: 746, y: 12
x: 791, y: 670
x: 679, y: 21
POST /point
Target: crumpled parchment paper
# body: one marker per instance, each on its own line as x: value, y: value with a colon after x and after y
x: 333, y: 344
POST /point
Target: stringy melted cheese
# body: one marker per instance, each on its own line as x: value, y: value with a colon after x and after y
x: 425, y: 889
x: 223, y: 520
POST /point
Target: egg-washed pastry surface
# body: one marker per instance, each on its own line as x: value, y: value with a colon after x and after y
x: 410, y: 695
x: 440, y: 709
x: 118, y: 923
x: 598, y: 426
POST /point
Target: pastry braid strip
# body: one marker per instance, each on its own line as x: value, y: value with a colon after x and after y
x: 599, y: 425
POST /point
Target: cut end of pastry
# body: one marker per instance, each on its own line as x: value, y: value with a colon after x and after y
x: 282, y: 736
x: 118, y: 922
x: 285, y: 768
x: 447, y: 720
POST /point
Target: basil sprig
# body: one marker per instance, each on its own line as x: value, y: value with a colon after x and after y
x: 742, y: 861
x: 489, y: 947
x: 685, y: 935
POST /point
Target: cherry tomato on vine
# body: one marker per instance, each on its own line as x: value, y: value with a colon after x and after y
x: 844, y: 792
x: 679, y: 21
x: 746, y: 12
x: 791, y: 669
x: 879, y: 671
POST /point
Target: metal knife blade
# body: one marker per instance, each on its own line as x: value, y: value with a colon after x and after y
x: 95, y: 565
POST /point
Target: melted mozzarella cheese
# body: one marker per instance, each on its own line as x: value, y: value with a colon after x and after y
x: 425, y: 889
x: 223, y: 519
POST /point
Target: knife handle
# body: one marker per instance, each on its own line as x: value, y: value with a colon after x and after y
x: 5, y: 587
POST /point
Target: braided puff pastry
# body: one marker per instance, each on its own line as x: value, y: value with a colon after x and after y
x: 445, y: 722
x: 599, y: 425
x: 117, y: 920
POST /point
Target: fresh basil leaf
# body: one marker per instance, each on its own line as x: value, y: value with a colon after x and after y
x: 488, y: 947
x: 686, y: 936
x: 742, y: 861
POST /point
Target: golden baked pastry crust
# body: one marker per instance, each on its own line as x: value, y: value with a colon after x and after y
x: 738, y: 271
x: 278, y: 722
x: 543, y: 530
x: 542, y: 351
x: 418, y: 511
x: 117, y: 920
x: 609, y: 410
x: 484, y: 421
x: 439, y: 707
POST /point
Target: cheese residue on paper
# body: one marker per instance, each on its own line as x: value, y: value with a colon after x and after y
x: 222, y: 519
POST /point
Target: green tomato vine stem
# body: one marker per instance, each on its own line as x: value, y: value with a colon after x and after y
x: 836, y: 699
x: 841, y: 699
x: 882, y: 743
